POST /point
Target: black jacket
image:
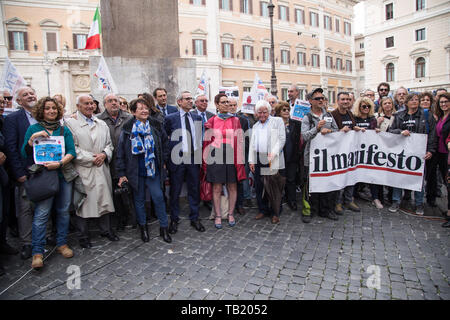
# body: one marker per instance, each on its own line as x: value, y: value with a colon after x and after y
x: 127, y: 164
x: 292, y: 146
x: 421, y: 127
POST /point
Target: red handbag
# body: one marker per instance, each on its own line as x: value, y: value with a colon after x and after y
x: 205, y: 187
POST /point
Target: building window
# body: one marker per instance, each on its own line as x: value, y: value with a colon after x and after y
x: 227, y: 50
x: 338, y: 25
x: 338, y: 63
x: 199, y: 47
x: 301, y: 58
x: 283, y: 13
x: 246, y: 6
x: 51, y: 41
x: 18, y: 40
x: 285, y: 56
x: 226, y: 5
x: 284, y: 94
x: 327, y: 23
x: 390, y: 72
x: 348, y: 65
x: 389, y: 11
x: 198, y: 2
x: 361, y: 64
x: 79, y: 41
x: 247, y: 52
x: 266, y: 55
x: 361, y: 45
x: 299, y: 16
x: 313, y: 19
x: 420, y: 34
x: 348, y: 28
x: 264, y: 9
x: 315, y: 60
x: 420, y: 5
x: 329, y: 62
x: 420, y: 67
x: 390, y: 42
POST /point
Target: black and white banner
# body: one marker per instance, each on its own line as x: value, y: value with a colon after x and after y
x: 342, y: 159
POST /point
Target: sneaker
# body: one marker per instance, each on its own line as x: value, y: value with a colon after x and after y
x: 339, y: 210
x: 65, y: 251
x: 395, y: 206
x: 37, y: 262
x: 419, y: 210
x: 352, y: 206
x: 377, y: 203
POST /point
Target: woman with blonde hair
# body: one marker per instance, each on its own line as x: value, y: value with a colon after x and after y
x: 385, y: 116
x: 363, y: 110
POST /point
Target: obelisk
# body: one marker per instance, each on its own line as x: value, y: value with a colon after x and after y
x: 140, y: 43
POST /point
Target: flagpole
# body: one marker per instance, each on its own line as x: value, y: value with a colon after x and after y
x: 273, y: 79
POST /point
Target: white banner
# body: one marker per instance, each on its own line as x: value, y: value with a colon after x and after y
x: 340, y: 159
x: 11, y: 79
x: 105, y: 80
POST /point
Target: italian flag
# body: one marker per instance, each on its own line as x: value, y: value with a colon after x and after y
x: 93, y: 40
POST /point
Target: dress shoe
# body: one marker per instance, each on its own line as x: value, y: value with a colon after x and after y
x: 38, y: 261
x: 275, y: 220
x: 85, y: 243
x: 218, y: 222
x: 5, y: 248
x: 352, y: 206
x: 231, y: 223
x: 259, y: 216
x: 196, y: 224
x: 144, y: 233
x: 208, y: 205
x: 339, y: 210
x: 65, y: 251
x: 292, y: 205
x: 240, y: 210
x: 306, y: 219
x: 111, y: 236
x: 26, y: 252
x: 173, y: 227
x: 164, y: 233
x: 332, y: 216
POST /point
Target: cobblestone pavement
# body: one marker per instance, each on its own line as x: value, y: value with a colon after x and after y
x: 254, y: 260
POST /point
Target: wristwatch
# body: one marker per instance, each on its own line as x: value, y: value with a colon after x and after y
x: 61, y: 164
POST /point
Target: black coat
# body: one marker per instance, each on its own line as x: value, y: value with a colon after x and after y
x: 127, y: 164
x: 292, y: 146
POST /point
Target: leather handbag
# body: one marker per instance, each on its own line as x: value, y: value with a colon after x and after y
x: 41, y: 184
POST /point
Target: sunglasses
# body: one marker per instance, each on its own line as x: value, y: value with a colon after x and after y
x: 8, y: 98
x: 286, y: 109
x: 203, y: 100
x: 364, y: 106
x: 383, y: 90
x: 123, y: 104
x: 319, y: 98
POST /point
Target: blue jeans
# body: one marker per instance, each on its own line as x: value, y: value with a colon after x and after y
x: 42, y: 212
x: 345, y: 195
x: 153, y: 185
x: 418, y: 196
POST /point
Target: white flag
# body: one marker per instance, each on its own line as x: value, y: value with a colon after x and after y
x: 258, y: 91
x: 105, y: 80
x: 203, y: 85
x: 11, y: 79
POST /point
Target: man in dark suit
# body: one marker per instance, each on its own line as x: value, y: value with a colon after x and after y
x: 14, y: 129
x: 201, y: 103
x: 160, y: 94
x: 184, y: 130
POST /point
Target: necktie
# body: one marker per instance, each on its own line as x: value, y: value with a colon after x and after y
x: 188, y: 128
x: 164, y: 111
x: 203, y: 117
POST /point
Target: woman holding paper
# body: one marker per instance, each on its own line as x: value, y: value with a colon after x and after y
x: 48, y: 113
x: 291, y: 150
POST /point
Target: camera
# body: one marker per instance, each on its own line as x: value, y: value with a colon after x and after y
x: 123, y: 189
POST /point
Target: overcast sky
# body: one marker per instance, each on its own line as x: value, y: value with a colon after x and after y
x: 359, y: 17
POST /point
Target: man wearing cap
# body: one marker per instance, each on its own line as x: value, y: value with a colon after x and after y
x: 318, y: 120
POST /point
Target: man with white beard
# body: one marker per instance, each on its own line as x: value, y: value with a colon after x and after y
x: 14, y: 129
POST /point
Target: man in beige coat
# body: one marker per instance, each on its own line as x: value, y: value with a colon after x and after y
x: 94, y: 152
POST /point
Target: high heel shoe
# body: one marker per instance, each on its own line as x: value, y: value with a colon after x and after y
x: 231, y: 224
x: 218, y: 225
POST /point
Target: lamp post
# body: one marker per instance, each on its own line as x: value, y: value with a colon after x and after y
x: 47, y: 64
x: 273, y: 79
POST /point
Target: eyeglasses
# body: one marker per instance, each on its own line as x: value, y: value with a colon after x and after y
x: 364, y: 106
x: 203, y: 100
x: 286, y: 109
x: 9, y: 98
x: 382, y: 89
x: 319, y: 98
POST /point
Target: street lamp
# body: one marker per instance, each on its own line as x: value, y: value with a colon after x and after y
x: 273, y: 79
x: 47, y: 64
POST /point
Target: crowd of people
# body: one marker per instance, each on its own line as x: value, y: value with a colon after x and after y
x: 118, y: 160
